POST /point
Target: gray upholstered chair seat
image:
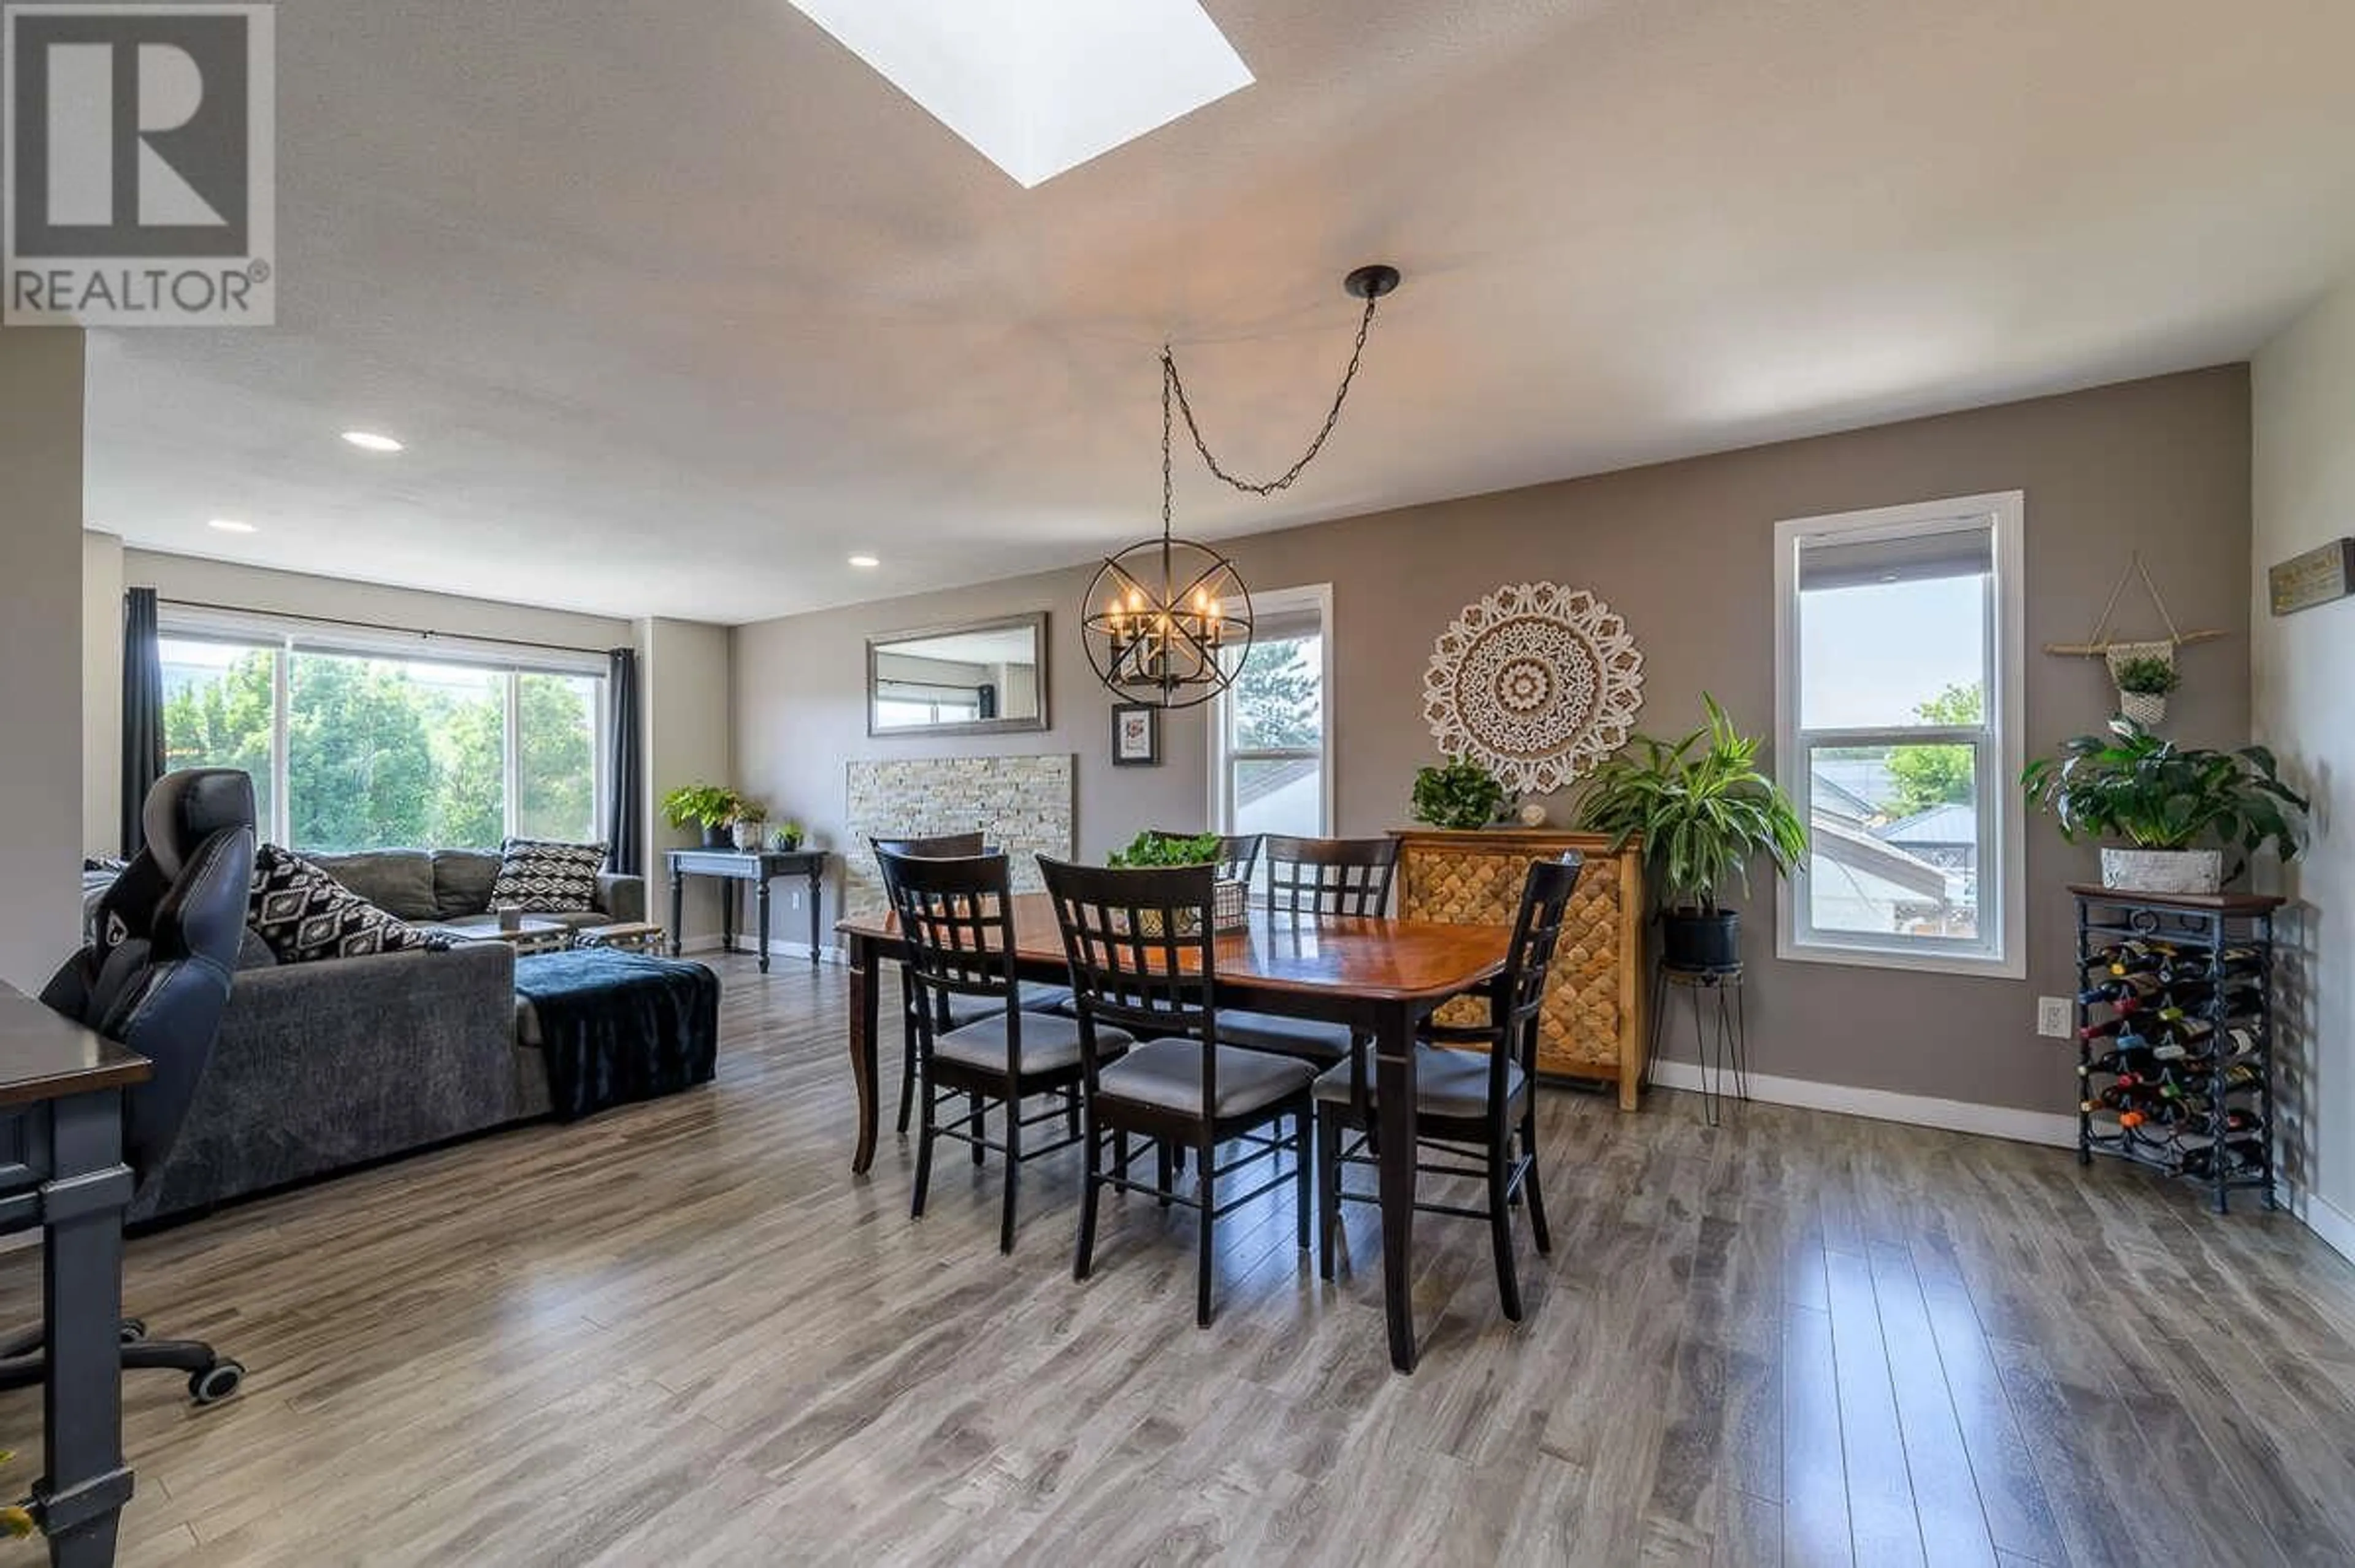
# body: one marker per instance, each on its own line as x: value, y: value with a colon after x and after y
x: 1446, y: 1082
x: 1321, y: 1043
x: 1050, y: 1042
x: 1035, y: 999
x: 1167, y: 1074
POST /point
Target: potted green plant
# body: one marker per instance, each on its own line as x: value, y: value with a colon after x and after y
x: 711, y: 807
x: 750, y: 826
x: 2164, y: 800
x: 1229, y: 908
x: 786, y: 836
x: 1458, y: 794
x: 1702, y: 809
x: 2143, y: 687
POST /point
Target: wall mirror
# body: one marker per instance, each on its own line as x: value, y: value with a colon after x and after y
x: 982, y: 677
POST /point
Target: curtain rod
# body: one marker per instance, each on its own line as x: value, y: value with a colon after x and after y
x: 425, y: 633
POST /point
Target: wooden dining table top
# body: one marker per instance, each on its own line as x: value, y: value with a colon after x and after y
x: 1409, y: 960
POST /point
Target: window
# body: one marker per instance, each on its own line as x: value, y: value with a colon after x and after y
x: 352, y: 749
x: 1270, y: 753
x: 1897, y: 697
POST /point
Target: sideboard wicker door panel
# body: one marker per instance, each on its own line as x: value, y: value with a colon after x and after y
x: 1592, y: 1025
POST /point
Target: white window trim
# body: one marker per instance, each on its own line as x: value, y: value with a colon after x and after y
x: 1317, y: 596
x: 2008, y: 898
x: 276, y: 636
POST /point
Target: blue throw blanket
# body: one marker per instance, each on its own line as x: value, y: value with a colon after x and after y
x: 620, y: 1026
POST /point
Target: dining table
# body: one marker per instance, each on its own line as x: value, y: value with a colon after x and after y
x: 1381, y: 978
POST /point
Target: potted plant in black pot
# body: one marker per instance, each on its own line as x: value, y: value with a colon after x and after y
x: 1702, y: 809
x: 2170, y: 804
x: 710, y: 807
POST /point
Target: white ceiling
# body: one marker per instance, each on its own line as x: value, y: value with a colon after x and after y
x: 675, y: 312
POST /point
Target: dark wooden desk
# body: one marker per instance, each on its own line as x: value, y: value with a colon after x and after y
x: 61, y: 1168
x: 1379, y: 976
x: 754, y: 866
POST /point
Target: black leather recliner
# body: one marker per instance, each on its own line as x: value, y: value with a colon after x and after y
x: 155, y: 975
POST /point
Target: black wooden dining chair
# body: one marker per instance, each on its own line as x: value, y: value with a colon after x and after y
x: 1143, y: 966
x: 955, y: 1011
x: 1308, y: 878
x: 1468, y: 1106
x: 956, y: 917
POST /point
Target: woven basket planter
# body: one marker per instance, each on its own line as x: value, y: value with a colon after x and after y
x: 1230, y: 911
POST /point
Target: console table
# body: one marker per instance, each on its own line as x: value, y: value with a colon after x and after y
x: 61, y: 1168
x: 757, y: 867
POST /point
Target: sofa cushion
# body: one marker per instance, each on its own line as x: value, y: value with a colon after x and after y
x: 304, y: 913
x: 398, y: 881
x: 253, y: 953
x: 462, y: 881
x: 546, y: 877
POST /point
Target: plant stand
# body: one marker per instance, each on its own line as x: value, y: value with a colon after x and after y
x: 1714, y: 1048
x: 2198, y: 1031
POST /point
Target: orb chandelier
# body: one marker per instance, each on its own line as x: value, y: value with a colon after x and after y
x: 1167, y: 622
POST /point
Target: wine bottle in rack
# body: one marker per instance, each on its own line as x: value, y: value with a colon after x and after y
x: 2234, y: 1157
x: 2206, y: 1124
x: 2131, y: 1060
x: 2120, y: 1025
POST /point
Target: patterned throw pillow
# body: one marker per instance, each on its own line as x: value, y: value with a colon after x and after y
x: 550, y: 877
x: 302, y: 913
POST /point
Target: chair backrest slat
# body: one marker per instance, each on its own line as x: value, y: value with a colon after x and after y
x: 956, y: 916
x: 1141, y: 951
x: 1330, y: 876
x: 1537, y: 929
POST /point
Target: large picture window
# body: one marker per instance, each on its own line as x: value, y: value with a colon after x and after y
x: 1897, y: 703
x: 354, y: 750
x: 1270, y: 762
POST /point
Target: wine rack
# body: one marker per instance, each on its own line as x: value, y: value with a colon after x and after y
x: 2175, y: 1035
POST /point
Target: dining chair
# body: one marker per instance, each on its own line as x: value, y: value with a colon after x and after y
x: 956, y: 916
x: 1142, y: 962
x: 1311, y: 877
x: 955, y: 1011
x: 1468, y: 1106
x: 1233, y: 860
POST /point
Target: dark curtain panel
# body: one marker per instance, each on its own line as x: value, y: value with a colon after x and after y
x: 142, y: 712
x: 625, y: 835
x: 985, y: 701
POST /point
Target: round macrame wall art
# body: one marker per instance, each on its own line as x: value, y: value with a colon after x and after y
x: 1537, y: 682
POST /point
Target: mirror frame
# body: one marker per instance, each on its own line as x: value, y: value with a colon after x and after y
x: 1036, y: 620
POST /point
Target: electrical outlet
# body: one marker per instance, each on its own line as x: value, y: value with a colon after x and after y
x: 2052, y: 1016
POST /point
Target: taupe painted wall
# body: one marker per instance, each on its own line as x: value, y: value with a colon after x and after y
x: 40, y: 649
x: 683, y: 690
x: 1684, y: 551
x: 2305, y: 487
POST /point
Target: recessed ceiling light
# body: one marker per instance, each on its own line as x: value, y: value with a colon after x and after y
x: 864, y: 561
x: 368, y: 440
x: 1041, y: 86
x: 230, y: 526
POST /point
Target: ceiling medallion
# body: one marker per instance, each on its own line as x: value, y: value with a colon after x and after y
x: 1169, y: 621
x: 1537, y: 682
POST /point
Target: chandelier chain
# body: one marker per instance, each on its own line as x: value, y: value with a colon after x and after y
x: 1171, y: 381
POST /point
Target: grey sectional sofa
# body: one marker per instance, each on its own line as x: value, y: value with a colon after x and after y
x: 330, y: 1064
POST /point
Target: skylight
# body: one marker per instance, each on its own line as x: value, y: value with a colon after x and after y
x: 1041, y: 86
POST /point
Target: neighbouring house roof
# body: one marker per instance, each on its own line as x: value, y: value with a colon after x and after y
x: 1826, y: 794
x: 1947, y: 826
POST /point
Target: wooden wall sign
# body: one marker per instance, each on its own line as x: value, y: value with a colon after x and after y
x: 2317, y: 577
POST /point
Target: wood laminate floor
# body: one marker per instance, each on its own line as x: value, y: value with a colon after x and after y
x: 683, y: 1334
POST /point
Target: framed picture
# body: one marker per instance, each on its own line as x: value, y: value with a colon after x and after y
x: 1135, y: 735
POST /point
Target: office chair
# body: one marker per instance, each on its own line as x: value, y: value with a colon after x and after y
x: 155, y: 977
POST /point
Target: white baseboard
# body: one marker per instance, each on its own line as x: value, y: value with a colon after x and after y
x: 780, y: 948
x: 1885, y: 1106
x: 2329, y: 1222
x: 708, y: 943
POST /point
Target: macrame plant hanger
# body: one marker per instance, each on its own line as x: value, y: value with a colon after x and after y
x: 2143, y: 708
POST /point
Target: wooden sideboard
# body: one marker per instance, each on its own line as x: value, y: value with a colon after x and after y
x: 1593, y: 1021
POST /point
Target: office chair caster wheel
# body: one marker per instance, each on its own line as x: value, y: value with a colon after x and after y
x: 216, y: 1382
x: 133, y: 1330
